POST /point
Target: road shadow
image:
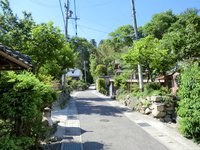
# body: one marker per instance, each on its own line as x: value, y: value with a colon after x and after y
x: 87, y: 107
x: 74, y: 131
x: 74, y: 145
x: 65, y: 132
x: 93, y: 99
x: 93, y: 146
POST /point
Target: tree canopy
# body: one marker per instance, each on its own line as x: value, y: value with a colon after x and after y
x: 14, y: 32
x: 159, y: 24
x: 147, y: 52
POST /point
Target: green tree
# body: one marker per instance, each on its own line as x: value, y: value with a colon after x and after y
x: 83, y: 48
x: 183, y: 37
x: 101, y: 70
x: 147, y: 52
x: 93, y: 65
x: 14, y: 32
x: 46, y: 42
x: 65, y: 58
x: 159, y: 24
x: 122, y: 37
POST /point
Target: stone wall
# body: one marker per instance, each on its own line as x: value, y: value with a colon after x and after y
x: 161, y: 107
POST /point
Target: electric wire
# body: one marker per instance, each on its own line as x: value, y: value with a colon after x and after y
x: 73, y: 25
x: 102, y: 4
x: 82, y: 29
x: 42, y: 4
x: 96, y: 23
x: 93, y: 29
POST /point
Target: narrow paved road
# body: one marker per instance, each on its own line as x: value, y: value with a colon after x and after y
x: 104, y: 127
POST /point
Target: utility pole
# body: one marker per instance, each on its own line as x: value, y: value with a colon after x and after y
x: 75, y: 17
x: 84, y: 63
x: 68, y: 15
x: 137, y: 38
x: 66, y: 18
x: 66, y: 36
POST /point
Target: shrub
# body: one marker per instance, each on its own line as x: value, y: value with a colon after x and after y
x: 146, y: 103
x: 101, y: 86
x: 78, y: 85
x: 100, y: 70
x: 155, y: 89
x: 121, y: 94
x: 22, y: 99
x: 152, y: 85
x: 120, y: 81
x: 15, y: 143
x: 135, y: 88
x: 189, y: 105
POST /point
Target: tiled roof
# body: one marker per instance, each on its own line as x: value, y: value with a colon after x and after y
x: 15, y: 58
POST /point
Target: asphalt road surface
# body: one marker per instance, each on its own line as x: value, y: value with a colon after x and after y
x: 104, y: 127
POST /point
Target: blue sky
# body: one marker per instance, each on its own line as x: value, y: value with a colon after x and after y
x: 99, y: 17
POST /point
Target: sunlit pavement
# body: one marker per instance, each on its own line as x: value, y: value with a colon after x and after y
x: 93, y: 121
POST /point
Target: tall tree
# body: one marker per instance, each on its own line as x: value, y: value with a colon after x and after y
x: 159, y: 24
x: 14, y: 32
x: 83, y: 48
x: 147, y: 52
x: 46, y: 41
x: 122, y: 37
x: 65, y: 58
x: 184, y: 35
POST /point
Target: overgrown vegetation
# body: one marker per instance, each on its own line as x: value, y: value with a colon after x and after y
x: 101, y: 86
x: 150, y: 89
x: 165, y: 41
x: 22, y: 101
x: 77, y: 84
x: 189, y: 105
x: 23, y: 96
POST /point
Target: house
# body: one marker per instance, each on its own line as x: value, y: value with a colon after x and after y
x: 13, y: 60
x: 75, y: 74
x: 170, y: 80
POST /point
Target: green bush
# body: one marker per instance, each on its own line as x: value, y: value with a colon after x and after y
x: 155, y: 89
x: 120, y: 81
x: 121, y: 94
x: 152, y: 85
x: 100, y: 70
x: 15, y: 143
x: 189, y: 105
x: 78, y: 85
x: 101, y: 86
x: 134, y: 88
x: 23, y: 98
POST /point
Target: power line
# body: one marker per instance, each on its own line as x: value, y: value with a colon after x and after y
x: 73, y: 25
x: 93, y: 29
x: 102, y: 4
x: 96, y: 23
x: 42, y: 4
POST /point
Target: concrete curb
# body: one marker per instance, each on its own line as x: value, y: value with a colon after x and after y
x: 69, y: 126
